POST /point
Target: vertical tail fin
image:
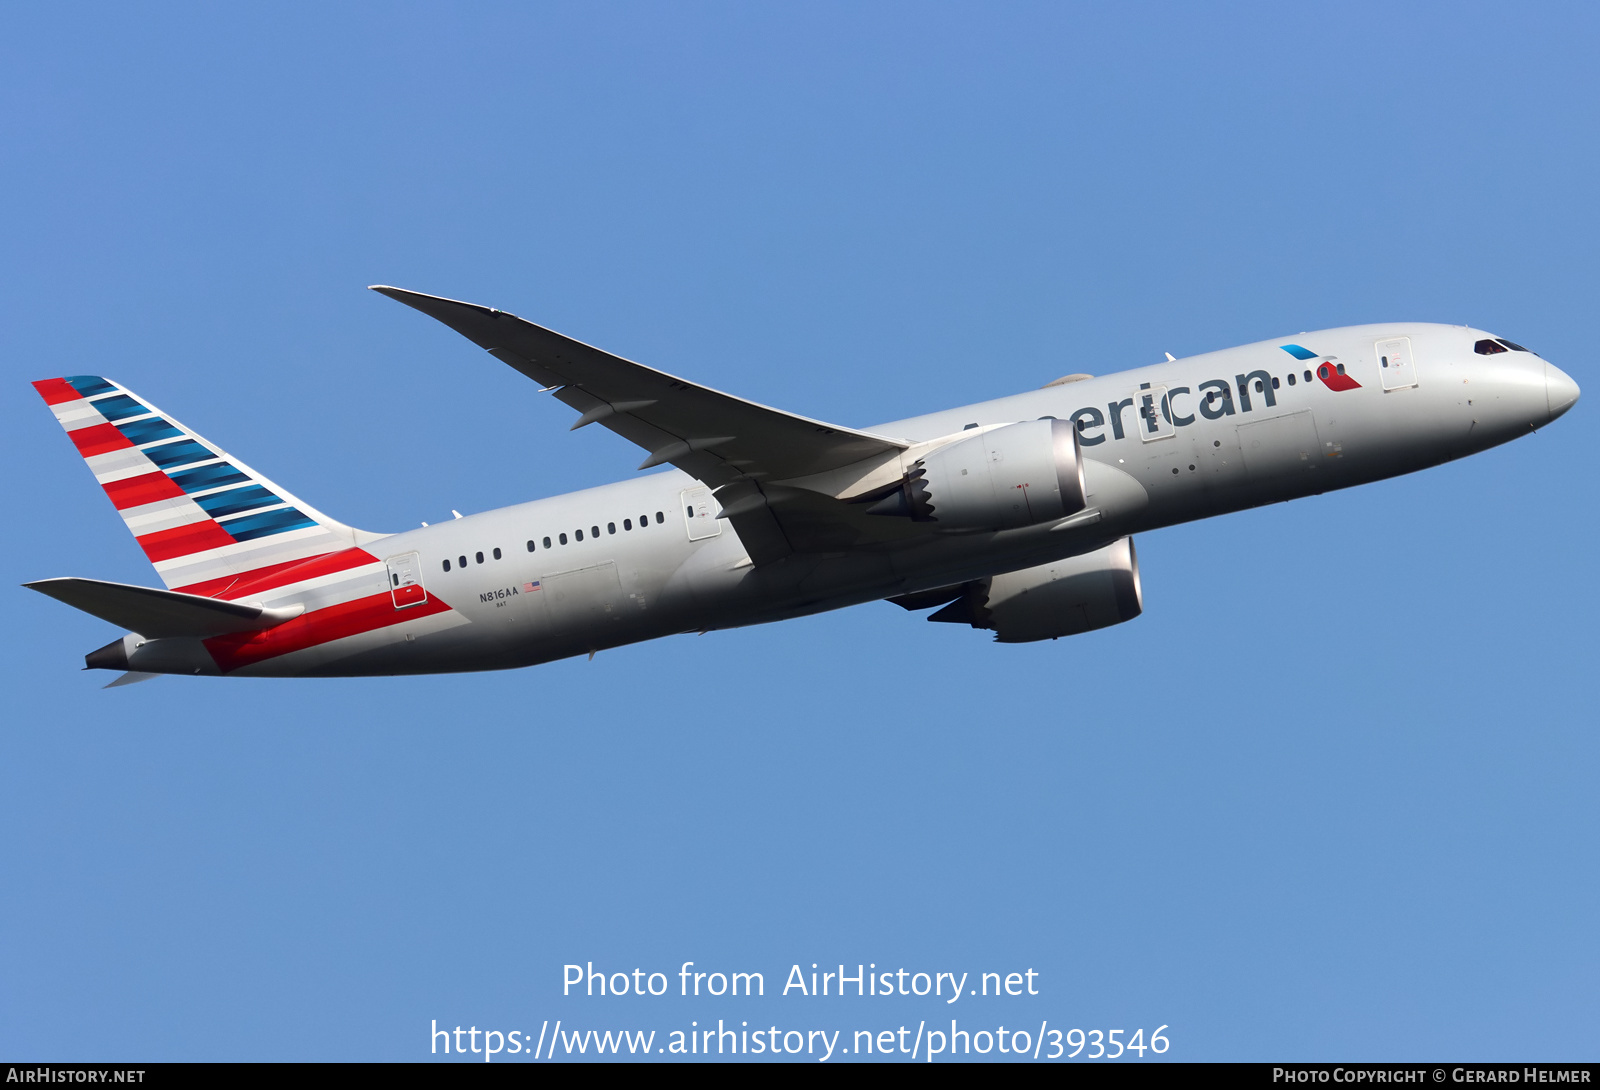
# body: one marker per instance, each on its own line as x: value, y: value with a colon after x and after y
x: 206, y: 520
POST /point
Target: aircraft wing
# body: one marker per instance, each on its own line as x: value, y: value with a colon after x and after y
x: 715, y: 437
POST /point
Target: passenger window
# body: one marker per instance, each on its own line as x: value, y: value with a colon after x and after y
x: 1323, y: 372
x: 1339, y: 368
x: 594, y: 531
x: 1308, y: 376
x: 530, y: 544
x: 1487, y: 347
x: 547, y: 542
x: 497, y: 554
x: 689, y: 511
x: 1260, y: 389
x: 611, y: 527
x: 644, y: 520
x: 563, y: 539
x: 1275, y: 382
x: 462, y: 560
x: 660, y: 517
x: 627, y: 524
x: 479, y: 557
x: 578, y: 534
x: 1291, y: 378
x: 447, y: 565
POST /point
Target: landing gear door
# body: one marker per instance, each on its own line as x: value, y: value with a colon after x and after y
x: 405, y: 580
x: 1395, y: 363
x: 700, y: 513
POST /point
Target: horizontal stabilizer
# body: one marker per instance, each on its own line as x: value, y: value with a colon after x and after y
x: 132, y: 677
x: 157, y: 614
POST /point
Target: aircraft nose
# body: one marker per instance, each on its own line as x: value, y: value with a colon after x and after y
x: 1560, y: 392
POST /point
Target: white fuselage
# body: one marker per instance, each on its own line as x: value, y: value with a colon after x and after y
x: 648, y: 565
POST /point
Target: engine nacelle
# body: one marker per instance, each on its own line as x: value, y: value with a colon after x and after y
x: 1019, y: 475
x: 1062, y: 598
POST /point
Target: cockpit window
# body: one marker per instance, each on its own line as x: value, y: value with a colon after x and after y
x: 1489, y: 346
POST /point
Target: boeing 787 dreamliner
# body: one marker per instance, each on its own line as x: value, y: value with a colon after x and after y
x: 1015, y: 515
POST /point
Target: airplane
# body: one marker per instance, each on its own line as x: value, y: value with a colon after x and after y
x: 1015, y: 515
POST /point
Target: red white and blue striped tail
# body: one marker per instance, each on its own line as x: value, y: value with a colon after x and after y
x: 208, y: 522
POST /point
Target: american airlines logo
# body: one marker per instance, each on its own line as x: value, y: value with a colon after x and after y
x: 1213, y: 398
x: 1329, y: 371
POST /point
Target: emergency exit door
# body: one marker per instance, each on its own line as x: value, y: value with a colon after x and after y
x: 1395, y: 363
x: 1154, y: 412
x: 405, y: 580
x: 700, y: 513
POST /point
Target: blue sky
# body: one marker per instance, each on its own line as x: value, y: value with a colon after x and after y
x: 1330, y: 797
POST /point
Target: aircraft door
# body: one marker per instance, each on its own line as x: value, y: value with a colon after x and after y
x: 405, y: 580
x: 699, y: 513
x: 1395, y: 363
x: 1153, y: 411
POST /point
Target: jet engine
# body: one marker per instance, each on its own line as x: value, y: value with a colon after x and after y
x: 1062, y: 598
x: 1017, y: 475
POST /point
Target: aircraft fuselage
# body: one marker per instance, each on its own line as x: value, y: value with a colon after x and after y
x: 261, y: 584
x: 610, y: 577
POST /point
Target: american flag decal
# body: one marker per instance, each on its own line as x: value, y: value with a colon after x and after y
x: 529, y: 588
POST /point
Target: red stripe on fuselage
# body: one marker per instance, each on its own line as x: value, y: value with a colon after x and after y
x: 271, y: 576
x: 147, y: 488
x: 214, y: 588
x: 56, y: 391
x: 98, y: 439
x: 196, y: 537
x: 369, y: 614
